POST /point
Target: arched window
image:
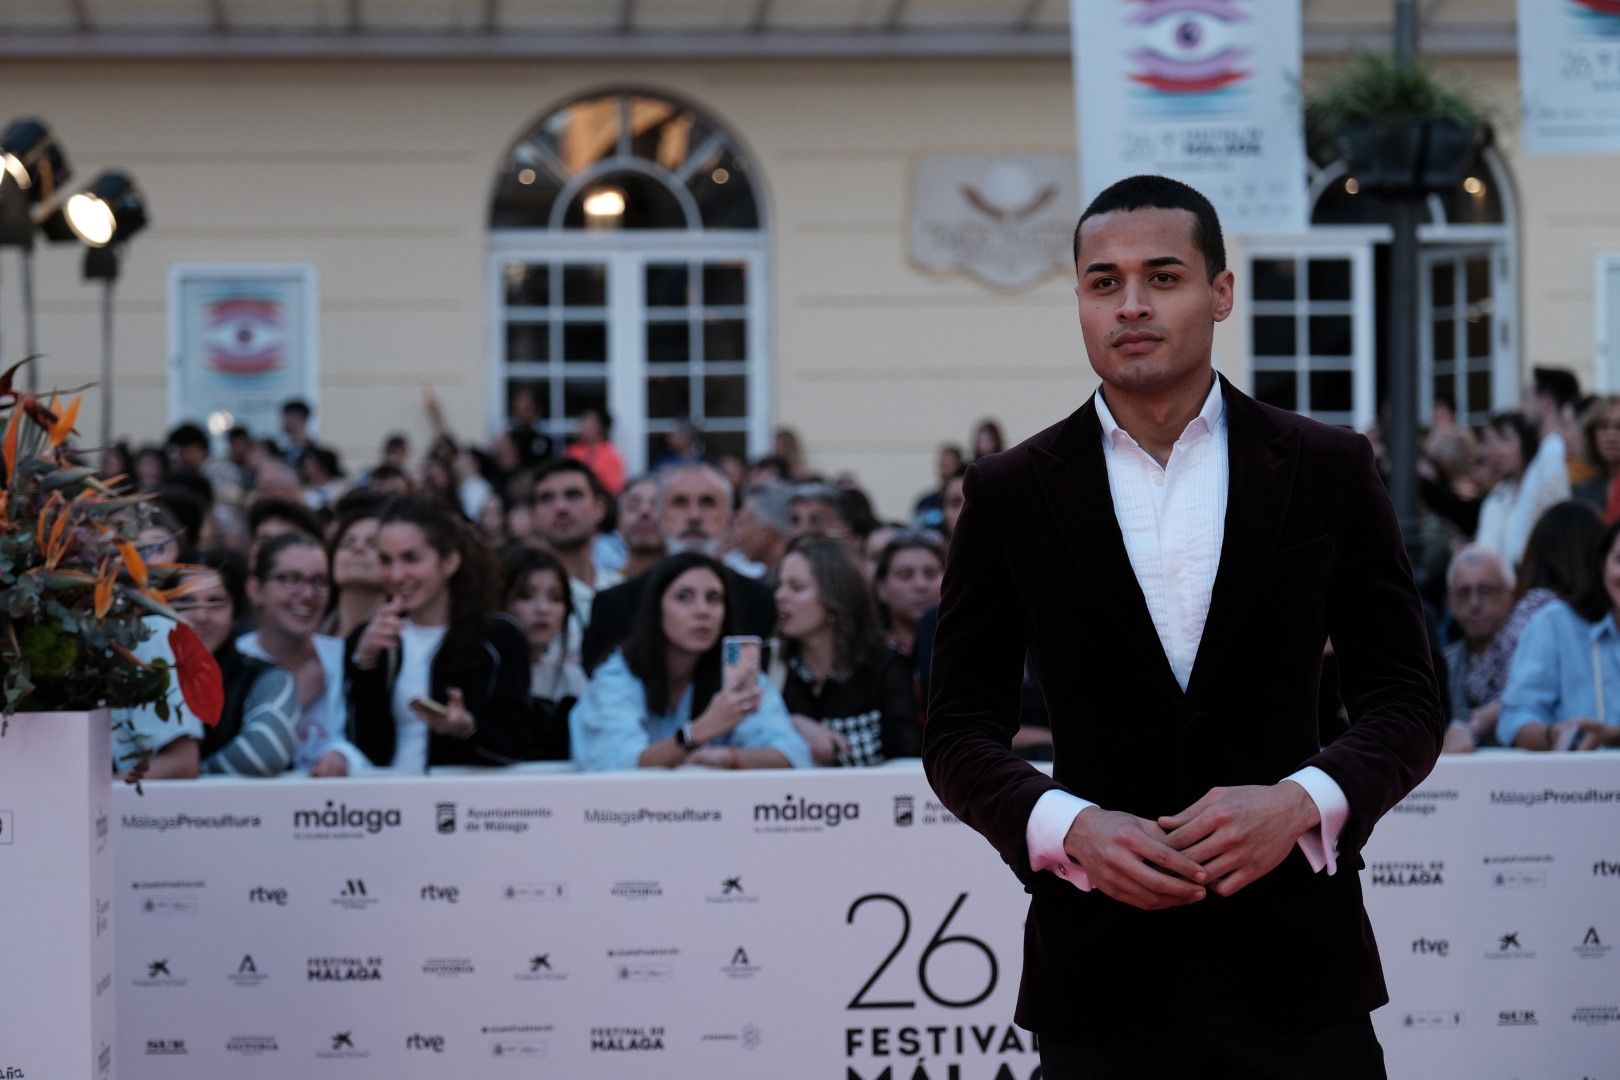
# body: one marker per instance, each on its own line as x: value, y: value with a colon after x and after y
x: 627, y: 272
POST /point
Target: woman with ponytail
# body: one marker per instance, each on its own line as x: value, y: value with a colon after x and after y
x: 436, y: 677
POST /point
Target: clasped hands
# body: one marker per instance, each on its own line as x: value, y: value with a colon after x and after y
x: 1226, y: 840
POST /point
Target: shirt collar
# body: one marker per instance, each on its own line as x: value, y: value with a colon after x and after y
x: 1205, y: 423
x: 1605, y: 627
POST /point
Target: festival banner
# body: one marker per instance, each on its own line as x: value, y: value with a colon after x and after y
x: 1204, y: 91
x: 242, y: 340
x: 1569, y: 75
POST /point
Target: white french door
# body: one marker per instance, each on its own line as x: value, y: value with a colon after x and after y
x: 1459, y: 331
x: 659, y: 331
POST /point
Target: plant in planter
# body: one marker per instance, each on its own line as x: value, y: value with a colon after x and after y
x: 76, y: 598
x: 1401, y: 131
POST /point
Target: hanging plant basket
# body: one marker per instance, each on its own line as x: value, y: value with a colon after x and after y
x: 1412, y: 156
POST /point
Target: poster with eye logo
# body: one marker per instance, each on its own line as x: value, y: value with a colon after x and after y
x: 1569, y: 74
x: 1204, y: 91
x: 242, y: 340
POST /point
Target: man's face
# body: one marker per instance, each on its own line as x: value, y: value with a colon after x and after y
x: 567, y: 512
x: 1147, y: 307
x: 755, y: 538
x: 241, y: 450
x: 190, y: 456
x: 807, y: 516
x: 695, y: 513
x: 293, y: 424
x: 638, y: 517
x: 1480, y: 601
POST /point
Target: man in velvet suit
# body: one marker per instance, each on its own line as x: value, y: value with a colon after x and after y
x: 1173, y: 557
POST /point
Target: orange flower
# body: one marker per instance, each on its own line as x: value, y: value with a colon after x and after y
x: 104, y: 589
x: 201, y: 684
x: 133, y: 562
x: 12, y: 429
x: 64, y: 425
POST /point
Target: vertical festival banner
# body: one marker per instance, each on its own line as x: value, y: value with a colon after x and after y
x: 1569, y: 76
x: 1204, y: 91
x: 242, y: 340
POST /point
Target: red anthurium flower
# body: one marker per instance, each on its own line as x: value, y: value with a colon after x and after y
x: 201, y: 684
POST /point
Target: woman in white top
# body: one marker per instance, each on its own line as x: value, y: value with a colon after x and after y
x: 1530, y: 477
x: 288, y: 587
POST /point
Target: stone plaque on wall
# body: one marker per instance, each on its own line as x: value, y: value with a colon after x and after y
x: 1004, y: 219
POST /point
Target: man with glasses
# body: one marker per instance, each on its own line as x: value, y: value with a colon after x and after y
x: 1479, y: 593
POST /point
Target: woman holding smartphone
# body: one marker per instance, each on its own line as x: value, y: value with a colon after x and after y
x: 663, y: 699
x: 436, y: 677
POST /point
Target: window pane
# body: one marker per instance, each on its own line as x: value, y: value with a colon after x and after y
x: 725, y: 396
x: 1274, y: 335
x: 585, y: 341
x: 585, y: 286
x: 666, y: 285
x: 723, y: 195
x: 1445, y: 339
x: 1276, y: 388
x: 582, y: 394
x: 629, y: 201
x: 1444, y: 281
x: 725, y: 283
x: 1329, y: 279
x: 725, y: 339
x: 1330, y: 336
x: 669, y: 397
x: 1445, y: 390
x: 1479, y: 333
x: 1479, y: 392
x: 662, y: 132
x: 528, y: 286
x: 667, y: 343
x: 1330, y: 391
x: 1274, y: 279
x: 721, y: 443
x: 528, y: 341
x: 1479, y: 279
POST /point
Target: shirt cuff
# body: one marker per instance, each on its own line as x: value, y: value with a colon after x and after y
x: 1320, y: 845
x: 1048, y: 824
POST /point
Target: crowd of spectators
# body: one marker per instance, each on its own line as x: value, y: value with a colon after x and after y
x: 1517, y: 557
x: 526, y: 600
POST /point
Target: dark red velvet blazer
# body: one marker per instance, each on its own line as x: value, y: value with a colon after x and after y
x: 1311, y: 552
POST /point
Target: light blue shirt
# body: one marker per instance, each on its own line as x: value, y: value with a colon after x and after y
x: 611, y: 725
x: 1552, y: 677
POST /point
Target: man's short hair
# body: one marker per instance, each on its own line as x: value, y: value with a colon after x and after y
x: 188, y: 434
x: 1162, y: 193
x: 1480, y: 554
x: 568, y: 465
x: 297, y: 406
x: 386, y: 471
x: 293, y: 513
x: 771, y: 505
x: 396, y: 442
x: 1558, y: 383
x: 239, y: 432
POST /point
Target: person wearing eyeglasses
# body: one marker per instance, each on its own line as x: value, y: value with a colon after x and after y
x: 257, y: 733
x: 288, y: 588
x: 1479, y: 593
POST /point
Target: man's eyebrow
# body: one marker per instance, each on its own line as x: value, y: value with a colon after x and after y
x: 1155, y: 262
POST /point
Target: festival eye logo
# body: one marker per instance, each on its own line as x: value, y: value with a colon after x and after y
x: 244, y: 336
x: 1189, y: 46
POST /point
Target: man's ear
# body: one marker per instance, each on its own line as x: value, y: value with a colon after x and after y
x: 1223, y: 286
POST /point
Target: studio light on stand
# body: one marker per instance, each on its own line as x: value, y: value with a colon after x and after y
x: 103, y: 217
x: 35, y: 167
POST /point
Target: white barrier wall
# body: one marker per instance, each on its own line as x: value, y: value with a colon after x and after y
x: 831, y: 924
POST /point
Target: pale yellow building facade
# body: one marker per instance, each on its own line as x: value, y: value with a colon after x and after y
x: 380, y: 170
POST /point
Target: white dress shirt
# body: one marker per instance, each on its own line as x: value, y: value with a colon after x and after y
x: 1173, y: 521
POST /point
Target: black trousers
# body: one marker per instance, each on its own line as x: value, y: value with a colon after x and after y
x: 1221, y: 1047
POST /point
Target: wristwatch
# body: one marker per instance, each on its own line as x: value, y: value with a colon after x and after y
x: 684, y: 739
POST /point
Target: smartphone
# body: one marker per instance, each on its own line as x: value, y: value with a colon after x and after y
x: 429, y: 705
x: 739, y: 659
